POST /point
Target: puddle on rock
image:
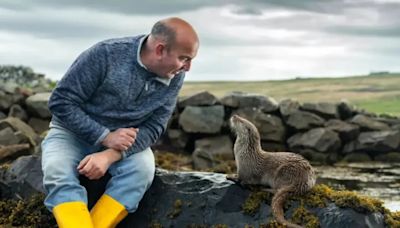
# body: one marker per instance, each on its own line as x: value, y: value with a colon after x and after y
x: 379, y: 180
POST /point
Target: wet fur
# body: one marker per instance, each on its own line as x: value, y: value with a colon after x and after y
x: 286, y: 173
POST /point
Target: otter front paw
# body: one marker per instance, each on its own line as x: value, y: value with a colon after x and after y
x: 233, y: 177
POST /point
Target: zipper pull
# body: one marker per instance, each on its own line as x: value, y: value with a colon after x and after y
x: 146, y: 86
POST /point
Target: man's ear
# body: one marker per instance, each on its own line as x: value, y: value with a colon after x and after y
x: 160, y: 49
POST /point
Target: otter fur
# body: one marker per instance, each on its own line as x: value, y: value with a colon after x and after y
x: 286, y: 173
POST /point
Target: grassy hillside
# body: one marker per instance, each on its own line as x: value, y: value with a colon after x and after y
x: 376, y: 93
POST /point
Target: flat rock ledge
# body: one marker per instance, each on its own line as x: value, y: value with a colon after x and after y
x: 201, y: 199
x: 198, y: 199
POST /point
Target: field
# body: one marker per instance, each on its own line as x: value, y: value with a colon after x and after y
x: 374, y: 93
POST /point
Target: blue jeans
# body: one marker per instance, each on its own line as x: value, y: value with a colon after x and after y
x: 61, y: 153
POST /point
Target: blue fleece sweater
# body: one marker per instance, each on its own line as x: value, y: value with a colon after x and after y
x: 107, y: 88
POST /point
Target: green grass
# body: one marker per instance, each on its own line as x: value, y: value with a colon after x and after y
x: 389, y: 105
x: 377, y: 93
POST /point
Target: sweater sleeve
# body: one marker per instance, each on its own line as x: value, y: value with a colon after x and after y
x: 75, y: 88
x: 151, y: 130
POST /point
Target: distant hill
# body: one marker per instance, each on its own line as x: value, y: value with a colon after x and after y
x: 378, y: 93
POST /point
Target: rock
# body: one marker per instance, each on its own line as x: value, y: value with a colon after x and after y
x: 37, y: 105
x: 346, y: 131
x: 346, y: 110
x: 23, y: 179
x: 207, y: 119
x: 269, y: 126
x: 288, y: 107
x: 39, y: 125
x: 18, y: 112
x: 199, y: 199
x: 18, y: 125
x: 7, y: 137
x: 323, y: 109
x: 317, y: 139
x: 170, y: 203
x: 13, y: 151
x: 2, y: 115
x: 6, y: 101
x: 302, y: 120
x: 368, y: 124
x: 209, y: 152
x: 374, y: 142
x: 177, y: 138
x: 203, y: 98
x: 241, y: 100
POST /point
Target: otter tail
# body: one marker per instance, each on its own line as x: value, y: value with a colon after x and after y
x: 277, y: 206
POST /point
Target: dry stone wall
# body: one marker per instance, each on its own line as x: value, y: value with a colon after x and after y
x: 321, y: 132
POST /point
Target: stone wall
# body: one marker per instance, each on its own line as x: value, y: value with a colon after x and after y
x: 321, y: 132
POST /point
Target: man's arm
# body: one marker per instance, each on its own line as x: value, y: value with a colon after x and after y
x: 151, y: 130
x: 77, y: 86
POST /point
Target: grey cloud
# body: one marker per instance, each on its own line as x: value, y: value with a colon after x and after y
x: 148, y: 7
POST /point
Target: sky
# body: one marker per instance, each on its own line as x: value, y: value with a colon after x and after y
x: 239, y: 40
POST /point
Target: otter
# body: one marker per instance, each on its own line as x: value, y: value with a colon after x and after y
x: 285, y: 173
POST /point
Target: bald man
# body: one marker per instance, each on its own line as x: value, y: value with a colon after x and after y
x: 108, y: 109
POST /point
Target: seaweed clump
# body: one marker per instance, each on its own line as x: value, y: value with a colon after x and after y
x: 319, y: 197
x: 26, y: 213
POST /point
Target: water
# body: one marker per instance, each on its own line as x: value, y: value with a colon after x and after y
x: 379, y: 180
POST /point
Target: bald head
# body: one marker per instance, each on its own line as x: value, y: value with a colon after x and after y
x: 174, y: 31
x: 170, y: 47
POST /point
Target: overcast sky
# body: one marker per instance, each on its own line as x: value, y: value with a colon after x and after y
x: 239, y: 40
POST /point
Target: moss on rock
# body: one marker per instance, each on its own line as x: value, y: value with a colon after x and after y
x: 319, y: 197
x: 27, y: 213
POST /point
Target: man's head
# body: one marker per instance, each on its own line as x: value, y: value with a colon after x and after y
x: 170, y: 47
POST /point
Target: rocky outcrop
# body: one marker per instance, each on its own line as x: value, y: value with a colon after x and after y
x: 201, y: 199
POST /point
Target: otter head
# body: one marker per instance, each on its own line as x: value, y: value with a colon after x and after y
x: 242, y: 127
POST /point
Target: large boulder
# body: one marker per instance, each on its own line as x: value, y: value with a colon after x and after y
x: 19, y: 126
x: 317, y: 139
x: 208, y: 119
x: 301, y: 120
x: 375, y: 142
x: 369, y: 124
x: 37, y: 105
x: 288, y: 106
x: 203, y: 98
x: 324, y: 109
x: 241, y: 100
x: 270, y: 127
x: 199, y: 199
x: 22, y: 179
x: 194, y: 199
x: 6, y: 100
x: 346, y: 131
x: 209, y: 152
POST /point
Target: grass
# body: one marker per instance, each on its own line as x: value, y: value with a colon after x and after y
x: 378, y: 93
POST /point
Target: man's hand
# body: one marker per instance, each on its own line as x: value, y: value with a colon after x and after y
x: 121, y: 139
x: 96, y: 165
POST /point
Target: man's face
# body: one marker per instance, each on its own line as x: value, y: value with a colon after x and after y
x: 176, y: 59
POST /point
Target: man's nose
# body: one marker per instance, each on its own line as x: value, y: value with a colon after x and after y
x: 186, y: 66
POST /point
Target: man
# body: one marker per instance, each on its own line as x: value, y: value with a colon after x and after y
x: 109, y: 108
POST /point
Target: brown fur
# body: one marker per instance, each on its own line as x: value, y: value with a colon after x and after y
x: 286, y: 173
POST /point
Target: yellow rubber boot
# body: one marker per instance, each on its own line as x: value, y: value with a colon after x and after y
x: 107, y: 212
x: 72, y: 215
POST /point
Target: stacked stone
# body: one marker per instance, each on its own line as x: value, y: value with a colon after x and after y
x: 321, y: 132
